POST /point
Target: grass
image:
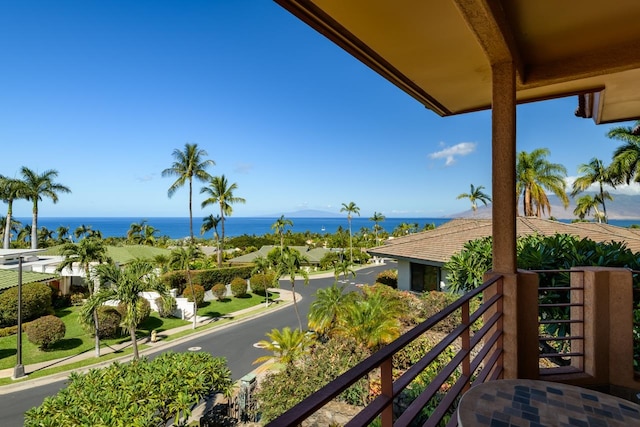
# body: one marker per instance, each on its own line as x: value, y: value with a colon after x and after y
x: 78, y: 341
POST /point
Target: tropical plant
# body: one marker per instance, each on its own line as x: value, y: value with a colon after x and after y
x: 83, y: 231
x: 329, y: 305
x: 36, y: 186
x: 289, y: 263
x: 85, y: 253
x: 344, y: 268
x: 594, y: 172
x: 286, y: 345
x: 125, y: 285
x: 376, y: 218
x: 211, y: 223
x: 45, y: 331
x: 534, y: 175
x: 625, y: 166
x: 220, y: 192
x: 36, y: 302
x: 13, y: 227
x: 475, y: 195
x: 62, y: 234
x: 585, y: 204
x: 188, y: 164
x: 182, y: 258
x: 145, y: 393
x: 350, y: 208
x: 10, y: 189
x: 279, y: 226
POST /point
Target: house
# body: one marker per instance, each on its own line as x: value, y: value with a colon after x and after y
x: 462, y: 56
x: 313, y: 255
x: 421, y: 256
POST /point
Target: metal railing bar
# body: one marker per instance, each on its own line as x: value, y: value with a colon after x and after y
x: 553, y: 321
x: 546, y: 355
x: 446, y: 403
x: 572, y: 338
x: 561, y: 288
x: 493, y: 360
x: 477, y: 360
x: 480, y: 334
x: 562, y: 304
x: 369, y: 412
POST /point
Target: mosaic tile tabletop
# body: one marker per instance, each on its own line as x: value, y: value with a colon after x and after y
x: 528, y: 403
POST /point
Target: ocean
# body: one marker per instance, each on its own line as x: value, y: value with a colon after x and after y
x: 178, y: 227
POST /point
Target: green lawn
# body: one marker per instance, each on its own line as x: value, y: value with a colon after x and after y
x: 77, y: 340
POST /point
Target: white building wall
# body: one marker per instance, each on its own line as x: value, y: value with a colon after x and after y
x: 404, y: 275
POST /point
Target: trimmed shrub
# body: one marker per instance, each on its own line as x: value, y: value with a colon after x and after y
x: 45, y: 331
x: 77, y: 299
x: 219, y: 291
x: 198, y: 290
x: 166, y: 307
x: 238, y: 287
x: 389, y: 278
x: 175, y: 280
x: 36, y: 302
x: 109, y: 320
x: 208, y: 278
x: 144, y: 310
x: 259, y: 283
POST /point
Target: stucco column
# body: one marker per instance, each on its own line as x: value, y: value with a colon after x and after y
x: 503, y: 157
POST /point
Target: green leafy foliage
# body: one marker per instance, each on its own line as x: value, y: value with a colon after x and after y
x: 467, y: 267
x: 238, y: 287
x: 219, y: 290
x: 388, y: 277
x: 166, y: 306
x: 260, y: 282
x: 199, y: 292
x: 141, y: 393
x: 45, y: 331
x: 109, y: 321
x: 143, y: 310
x: 36, y: 302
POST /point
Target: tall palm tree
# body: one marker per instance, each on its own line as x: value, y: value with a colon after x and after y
x: 135, y: 231
x: 14, y: 227
x: 45, y: 236
x: 126, y: 285
x: 534, y: 175
x: 37, y: 186
x: 86, y: 252
x: 82, y: 231
x: 279, y: 226
x: 10, y: 189
x: 625, y: 166
x: 221, y: 192
x: 182, y: 258
x: 376, y: 218
x: 475, y: 195
x: 594, y: 172
x: 350, y: 208
x: 289, y: 263
x: 188, y: 164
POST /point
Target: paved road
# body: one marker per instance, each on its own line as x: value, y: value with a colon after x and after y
x: 234, y: 342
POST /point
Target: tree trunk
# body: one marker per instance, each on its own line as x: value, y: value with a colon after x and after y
x: 295, y: 303
x: 7, y: 227
x: 34, y: 227
x: 97, y: 338
x: 193, y: 295
x: 190, y: 210
x: 134, y: 343
x: 222, y: 244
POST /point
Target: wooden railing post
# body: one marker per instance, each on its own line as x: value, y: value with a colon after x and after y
x: 386, y: 382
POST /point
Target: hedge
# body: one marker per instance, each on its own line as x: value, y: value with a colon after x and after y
x: 36, y: 302
x: 206, y: 278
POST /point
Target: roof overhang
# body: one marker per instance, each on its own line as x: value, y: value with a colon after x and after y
x: 441, y: 51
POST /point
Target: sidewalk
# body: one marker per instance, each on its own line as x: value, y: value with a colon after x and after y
x: 285, y: 299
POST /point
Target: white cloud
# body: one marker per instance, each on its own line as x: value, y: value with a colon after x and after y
x: 146, y: 178
x: 450, y: 153
x: 243, y: 168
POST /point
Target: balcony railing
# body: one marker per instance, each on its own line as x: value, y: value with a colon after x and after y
x: 479, y: 339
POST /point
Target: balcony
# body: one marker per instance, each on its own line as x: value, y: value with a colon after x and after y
x: 580, y: 332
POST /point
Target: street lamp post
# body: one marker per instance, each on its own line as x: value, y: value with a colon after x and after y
x: 18, y: 371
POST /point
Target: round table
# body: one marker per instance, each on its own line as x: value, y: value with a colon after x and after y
x: 529, y: 403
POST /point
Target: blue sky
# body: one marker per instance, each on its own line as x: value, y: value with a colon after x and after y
x: 103, y: 92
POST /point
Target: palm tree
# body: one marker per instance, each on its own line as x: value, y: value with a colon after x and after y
x: 148, y: 235
x: 211, y: 223
x: 62, y: 234
x: 625, y: 165
x: 287, y: 345
x: 13, y: 226
x: 221, y: 192
x: 188, y: 164
x: 182, y: 258
x: 534, y: 175
x: 594, y: 172
x: 45, y: 236
x: 584, y: 205
x: 475, y: 195
x: 376, y: 218
x: 279, y: 226
x: 135, y: 231
x: 10, y: 189
x: 328, y: 307
x: 37, y: 186
x: 86, y: 252
x: 350, y: 208
x: 343, y: 267
x: 82, y: 231
x: 126, y: 285
x: 289, y: 263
